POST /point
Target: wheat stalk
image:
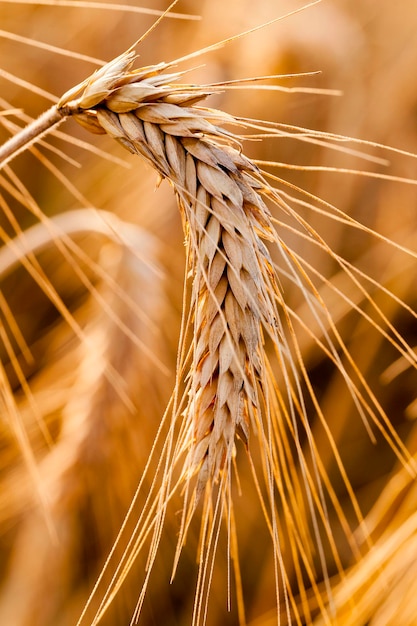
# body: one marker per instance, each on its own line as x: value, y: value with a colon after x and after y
x: 103, y: 370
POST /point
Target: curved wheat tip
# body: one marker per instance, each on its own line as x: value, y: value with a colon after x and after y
x: 226, y: 221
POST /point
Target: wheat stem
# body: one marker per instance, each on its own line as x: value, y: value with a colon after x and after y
x: 31, y: 133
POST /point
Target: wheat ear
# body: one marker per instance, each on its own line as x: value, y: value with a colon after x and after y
x: 235, y: 298
x: 225, y: 221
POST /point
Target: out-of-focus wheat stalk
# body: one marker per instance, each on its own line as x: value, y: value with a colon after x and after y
x: 99, y: 424
x: 243, y: 390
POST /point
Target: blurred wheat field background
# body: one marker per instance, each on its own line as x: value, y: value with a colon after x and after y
x: 92, y: 270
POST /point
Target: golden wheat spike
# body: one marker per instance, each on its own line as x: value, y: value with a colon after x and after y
x: 234, y: 290
x: 235, y: 300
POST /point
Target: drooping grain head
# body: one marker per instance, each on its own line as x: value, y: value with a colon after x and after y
x: 226, y: 221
